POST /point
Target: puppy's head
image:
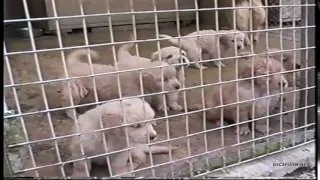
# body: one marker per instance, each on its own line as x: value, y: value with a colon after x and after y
x: 265, y: 66
x: 171, y: 55
x: 170, y: 81
x: 287, y: 59
x: 137, y: 113
x: 236, y: 38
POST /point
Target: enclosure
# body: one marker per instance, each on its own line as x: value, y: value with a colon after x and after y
x: 38, y: 132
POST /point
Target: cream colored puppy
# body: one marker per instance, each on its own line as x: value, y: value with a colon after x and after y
x: 275, y: 101
x: 171, y: 55
x: 135, y: 111
x: 288, y: 64
x: 243, y: 17
x: 125, y: 58
x: 82, y: 89
x: 245, y: 92
x: 209, y: 44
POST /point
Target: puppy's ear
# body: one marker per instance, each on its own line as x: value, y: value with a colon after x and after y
x: 246, y: 72
x: 154, y: 56
x: 223, y: 39
x: 111, y: 120
x: 149, y: 81
x: 287, y: 56
x: 246, y: 40
x: 260, y: 68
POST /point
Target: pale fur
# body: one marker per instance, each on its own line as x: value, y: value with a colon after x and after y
x: 288, y: 64
x: 134, y: 110
x: 208, y: 43
x: 173, y: 56
x: 243, y: 17
x: 82, y: 89
x: 229, y: 95
x: 171, y: 81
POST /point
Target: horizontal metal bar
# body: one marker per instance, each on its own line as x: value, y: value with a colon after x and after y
x: 145, y: 95
x: 163, y: 141
x: 166, y: 163
x: 145, y: 40
x: 139, y: 69
x: 150, y: 12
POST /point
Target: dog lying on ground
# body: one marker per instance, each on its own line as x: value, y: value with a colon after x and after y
x: 135, y: 111
x: 245, y: 92
x: 195, y: 46
x: 82, y: 90
x: 171, y: 79
x: 276, y: 100
x: 243, y: 17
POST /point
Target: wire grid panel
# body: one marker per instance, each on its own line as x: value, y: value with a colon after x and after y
x: 38, y: 72
x: 287, y: 13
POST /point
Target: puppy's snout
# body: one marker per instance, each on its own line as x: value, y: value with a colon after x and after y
x: 153, y: 137
x: 177, y: 86
x: 284, y: 84
x: 238, y: 47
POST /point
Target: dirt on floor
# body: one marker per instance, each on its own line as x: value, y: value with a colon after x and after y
x: 32, y: 98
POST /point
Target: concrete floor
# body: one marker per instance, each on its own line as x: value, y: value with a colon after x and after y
x: 31, y: 98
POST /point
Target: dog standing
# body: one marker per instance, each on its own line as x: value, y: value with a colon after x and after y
x: 135, y: 111
x: 243, y: 17
x: 208, y: 42
x: 245, y: 92
x: 171, y: 83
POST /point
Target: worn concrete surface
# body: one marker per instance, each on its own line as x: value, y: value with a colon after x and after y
x: 31, y: 99
x: 274, y: 165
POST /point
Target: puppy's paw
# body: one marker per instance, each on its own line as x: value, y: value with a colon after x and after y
x: 195, y: 107
x: 223, y: 65
x: 244, y: 130
x: 161, y: 108
x: 174, y: 148
x: 262, y: 128
x: 217, y: 64
x: 204, y: 67
x: 176, y: 107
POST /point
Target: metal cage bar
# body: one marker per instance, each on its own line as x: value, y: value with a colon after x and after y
x: 174, y: 129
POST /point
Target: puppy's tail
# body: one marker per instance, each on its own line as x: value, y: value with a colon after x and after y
x: 172, y: 40
x: 123, y: 51
x: 74, y: 57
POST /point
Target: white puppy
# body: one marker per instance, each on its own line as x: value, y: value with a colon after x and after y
x: 172, y: 55
x: 82, y: 89
x: 125, y: 58
x: 135, y: 111
x: 209, y: 43
x: 243, y: 17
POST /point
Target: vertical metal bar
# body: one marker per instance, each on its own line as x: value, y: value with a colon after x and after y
x: 8, y: 171
x: 65, y: 69
x: 307, y: 97
x: 119, y: 85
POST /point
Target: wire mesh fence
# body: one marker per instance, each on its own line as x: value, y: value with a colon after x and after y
x: 144, y: 90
